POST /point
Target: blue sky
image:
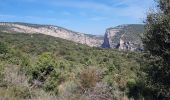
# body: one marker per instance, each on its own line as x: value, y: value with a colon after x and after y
x: 86, y: 16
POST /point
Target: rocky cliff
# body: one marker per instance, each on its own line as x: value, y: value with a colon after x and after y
x: 90, y: 40
x: 124, y: 37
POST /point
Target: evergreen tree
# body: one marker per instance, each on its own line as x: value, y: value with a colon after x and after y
x: 157, y: 42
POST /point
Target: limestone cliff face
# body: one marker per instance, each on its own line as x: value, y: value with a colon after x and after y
x: 51, y: 30
x: 124, y: 37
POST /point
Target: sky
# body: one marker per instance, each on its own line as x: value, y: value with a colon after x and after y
x: 85, y: 16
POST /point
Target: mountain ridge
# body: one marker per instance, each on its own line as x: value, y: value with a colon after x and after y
x: 123, y: 37
x: 56, y: 31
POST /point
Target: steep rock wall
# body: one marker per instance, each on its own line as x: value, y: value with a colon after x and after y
x: 124, y: 37
x: 51, y: 30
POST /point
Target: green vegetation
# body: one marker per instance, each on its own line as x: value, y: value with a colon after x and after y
x: 40, y: 67
x: 131, y: 33
x: 66, y: 69
x: 3, y: 48
x: 134, y: 32
x: 157, y: 43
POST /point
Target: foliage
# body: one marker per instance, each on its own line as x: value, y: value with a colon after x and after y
x: 157, y: 43
x: 3, y: 48
x: 88, y: 77
x: 1, y: 73
x: 42, y: 70
x: 15, y: 93
x: 52, y: 63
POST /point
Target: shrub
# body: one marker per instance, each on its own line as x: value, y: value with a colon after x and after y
x: 15, y: 92
x: 70, y: 58
x: 42, y: 70
x: 43, y: 67
x: 88, y: 77
x: 1, y: 73
x: 3, y: 48
x: 68, y: 91
x: 46, y: 73
x: 100, y: 92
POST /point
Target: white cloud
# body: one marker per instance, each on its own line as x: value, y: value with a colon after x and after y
x: 3, y: 16
x: 82, y: 5
x: 130, y: 8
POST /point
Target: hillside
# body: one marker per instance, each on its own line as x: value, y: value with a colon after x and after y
x: 36, y: 66
x: 123, y: 37
x: 126, y: 37
x: 56, y: 31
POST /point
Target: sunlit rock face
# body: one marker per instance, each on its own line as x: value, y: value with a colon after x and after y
x: 90, y: 40
x: 124, y: 37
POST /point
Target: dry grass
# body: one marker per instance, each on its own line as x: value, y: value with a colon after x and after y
x: 89, y: 77
x: 17, y: 87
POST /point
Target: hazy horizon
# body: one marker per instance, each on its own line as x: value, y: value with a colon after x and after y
x: 90, y: 16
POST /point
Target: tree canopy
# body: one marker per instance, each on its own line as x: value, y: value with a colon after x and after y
x: 157, y: 42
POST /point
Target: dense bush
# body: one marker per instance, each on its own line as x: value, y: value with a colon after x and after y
x: 88, y: 77
x: 1, y: 73
x: 52, y: 63
x: 157, y: 44
x: 3, y: 48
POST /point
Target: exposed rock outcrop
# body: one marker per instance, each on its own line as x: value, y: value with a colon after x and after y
x: 90, y: 40
x: 124, y: 37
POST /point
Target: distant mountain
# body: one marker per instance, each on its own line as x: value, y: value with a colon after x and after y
x: 126, y: 37
x: 56, y: 31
